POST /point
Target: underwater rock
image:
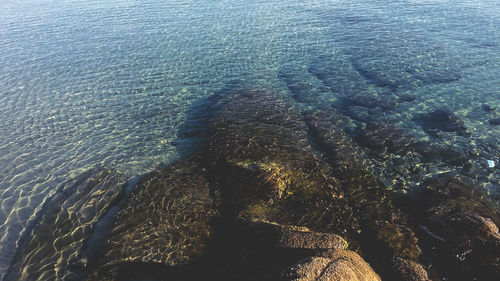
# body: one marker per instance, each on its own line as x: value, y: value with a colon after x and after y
x: 487, y: 107
x: 366, y: 107
x: 386, y: 102
x: 257, y: 199
x: 383, y: 228
x: 341, y: 265
x: 429, y: 150
x: 167, y: 220
x: 263, y: 164
x: 445, y: 120
x: 54, y: 248
x: 382, y: 136
x: 495, y: 121
x: 461, y: 237
x: 406, y: 98
x: 303, y: 87
x: 410, y: 271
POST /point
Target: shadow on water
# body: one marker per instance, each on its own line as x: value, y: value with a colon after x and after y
x: 194, y: 134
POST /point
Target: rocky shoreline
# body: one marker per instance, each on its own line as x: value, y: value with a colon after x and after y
x: 277, y: 193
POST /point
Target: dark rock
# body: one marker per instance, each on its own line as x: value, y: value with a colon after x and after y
x: 257, y: 200
x: 382, y: 136
x: 410, y: 271
x: 201, y: 213
x: 341, y: 265
x: 167, y: 219
x: 265, y: 167
x: 406, y: 98
x: 429, y: 150
x: 495, y: 121
x: 487, y: 107
x: 54, y: 248
x: 383, y: 227
x: 453, y: 157
x: 371, y: 101
x: 461, y: 237
x: 445, y: 120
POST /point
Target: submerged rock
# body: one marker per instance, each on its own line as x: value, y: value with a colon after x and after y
x: 263, y: 164
x: 494, y: 121
x: 460, y: 229
x: 383, y: 228
x: 487, y: 107
x: 54, y: 248
x: 167, y: 220
x: 254, y: 202
x: 382, y: 136
x: 445, y: 120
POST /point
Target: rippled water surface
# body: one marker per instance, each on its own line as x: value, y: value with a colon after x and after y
x: 110, y: 82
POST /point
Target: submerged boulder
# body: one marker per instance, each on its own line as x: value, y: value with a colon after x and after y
x: 409, y: 270
x: 494, y: 121
x: 459, y: 225
x: 445, y: 120
x: 167, y: 220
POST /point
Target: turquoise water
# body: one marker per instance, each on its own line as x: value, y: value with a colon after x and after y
x: 85, y: 83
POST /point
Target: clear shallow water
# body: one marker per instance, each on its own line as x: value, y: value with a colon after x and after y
x: 111, y: 82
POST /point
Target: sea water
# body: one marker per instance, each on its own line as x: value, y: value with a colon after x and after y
x: 110, y: 82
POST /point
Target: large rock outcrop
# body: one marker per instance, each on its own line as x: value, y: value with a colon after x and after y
x: 258, y: 180
x: 274, y: 193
